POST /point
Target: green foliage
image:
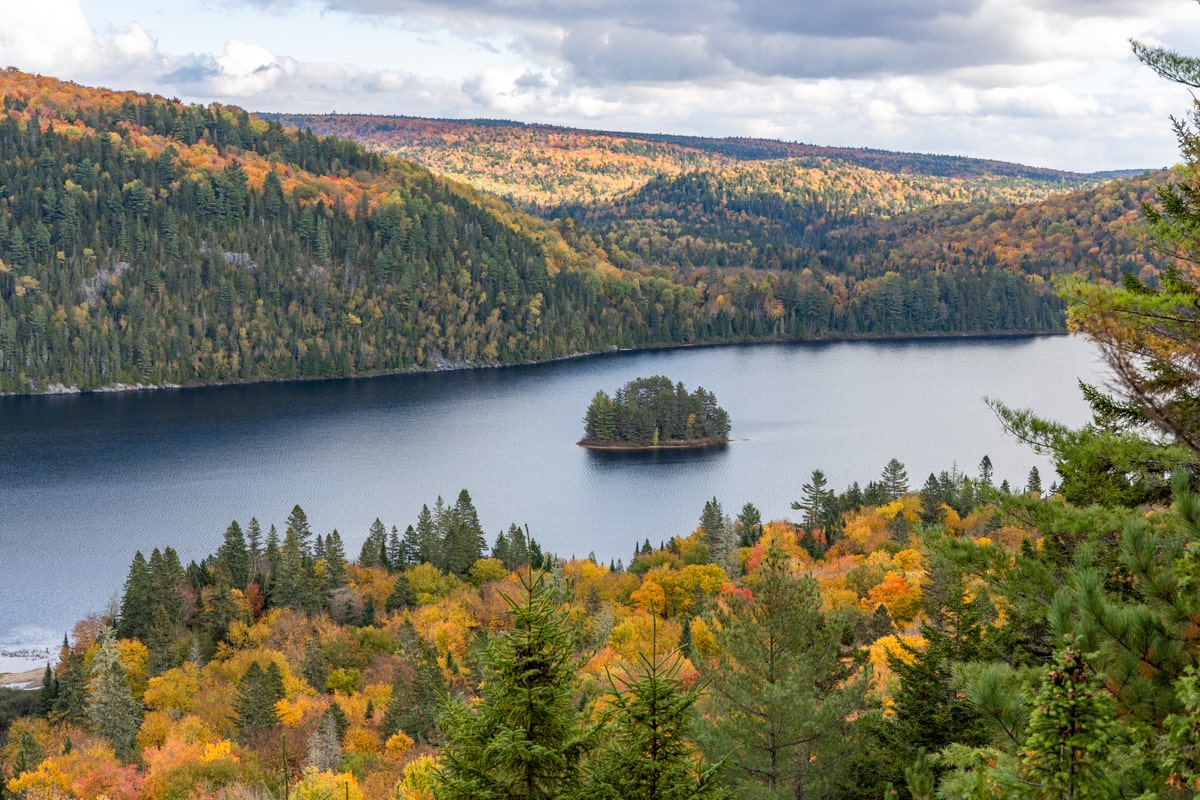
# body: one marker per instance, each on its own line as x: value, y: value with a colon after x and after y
x: 651, y: 412
x: 646, y: 752
x: 779, y: 695
x: 524, y: 738
x: 1070, y: 737
x: 257, y: 693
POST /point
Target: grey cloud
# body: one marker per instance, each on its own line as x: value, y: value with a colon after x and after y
x: 193, y: 72
x: 531, y: 80
x: 622, y: 55
x: 670, y: 41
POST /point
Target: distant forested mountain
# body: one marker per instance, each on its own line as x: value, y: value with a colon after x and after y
x: 146, y: 241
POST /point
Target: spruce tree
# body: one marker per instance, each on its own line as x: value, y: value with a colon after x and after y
x: 779, y: 694
x: 47, y: 695
x: 402, y: 596
x: 894, y: 480
x: 1071, y: 732
x: 235, y: 556
x: 257, y: 693
x: 646, y: 752
x: 718, y: 535
x: 114, y: 713
x: 297, y: 524
x: 335, y: 560
x: 136, y: 600
x: 524, y: 737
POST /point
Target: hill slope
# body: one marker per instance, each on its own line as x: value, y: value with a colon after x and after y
x: 142, y: 240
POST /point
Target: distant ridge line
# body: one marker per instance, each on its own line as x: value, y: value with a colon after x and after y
x: 740, y: 147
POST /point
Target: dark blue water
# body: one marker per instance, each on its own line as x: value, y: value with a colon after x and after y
x: 87, y: 480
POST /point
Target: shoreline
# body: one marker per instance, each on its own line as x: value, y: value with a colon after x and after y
x: 27, y: 681
x: 57, y: 388
x: 647, y: 448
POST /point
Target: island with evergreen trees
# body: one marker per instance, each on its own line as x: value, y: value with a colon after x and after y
x: 649, y: 413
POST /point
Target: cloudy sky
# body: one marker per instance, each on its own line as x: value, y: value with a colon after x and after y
x: 1044, y: 82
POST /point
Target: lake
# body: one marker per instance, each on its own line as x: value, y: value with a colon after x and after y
x: 86, y: 480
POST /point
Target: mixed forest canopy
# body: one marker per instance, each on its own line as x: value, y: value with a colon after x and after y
x: 949, y: 638
x: 143, y: 241
x: 653, y: 412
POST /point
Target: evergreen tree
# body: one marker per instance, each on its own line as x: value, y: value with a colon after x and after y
x: 374, y: 548
x: 396, y: 557
x: 1033, y: 485
x: 1070, y: 735
x: 254, y: 537
x: 985, y: 472
x: 748, y: 525
x: 524, y: 738
x: 415, y: 702
x: 647, y: 752
x: 335, y: 560
x: 47, y: 695
x: 291, y: 587
x: 257, y: 693
x: 718, y: 535
x: 894, y: 480
x: 819, y: 506
x: 427, y: 549
x: 464, y: 541
x: 402, y: 596
x: 136, y: 600
x: 235, y: 556
x: 932, y: 500
x: 114, y: 713
x: 315, y: 666
x: 297, y: 524
x: 71, y: 705
x: 778, y: 695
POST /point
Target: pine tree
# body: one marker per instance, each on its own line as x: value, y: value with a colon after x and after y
x: 524, y: 738
x: 235, y: 556
x: 1070, y: 733
x: 114, y: 713
x: 136, y: 600
x: 254, y: 537
x: 718, y: 535
x: 748, y: 525
x: 48, y: 694
x: 297, y: 524
x: 779, y: 694
x: 402, y: 596
x: 894, y: 480
x: 817, y: 503
x: 647, y: 752
x: 257, y: 693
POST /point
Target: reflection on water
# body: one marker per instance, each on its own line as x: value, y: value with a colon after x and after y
x: 87, y: 480
x: 625, y: 459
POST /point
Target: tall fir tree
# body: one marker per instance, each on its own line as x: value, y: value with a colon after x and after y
x: 524, y: 737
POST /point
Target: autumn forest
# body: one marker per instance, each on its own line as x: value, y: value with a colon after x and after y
x: 905, y: 636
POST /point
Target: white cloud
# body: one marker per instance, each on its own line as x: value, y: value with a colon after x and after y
x: 1049, y: 82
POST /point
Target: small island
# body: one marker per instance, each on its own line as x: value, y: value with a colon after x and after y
x: 652, y: 413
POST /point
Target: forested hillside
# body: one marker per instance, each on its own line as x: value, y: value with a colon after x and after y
x: 858, y: 241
